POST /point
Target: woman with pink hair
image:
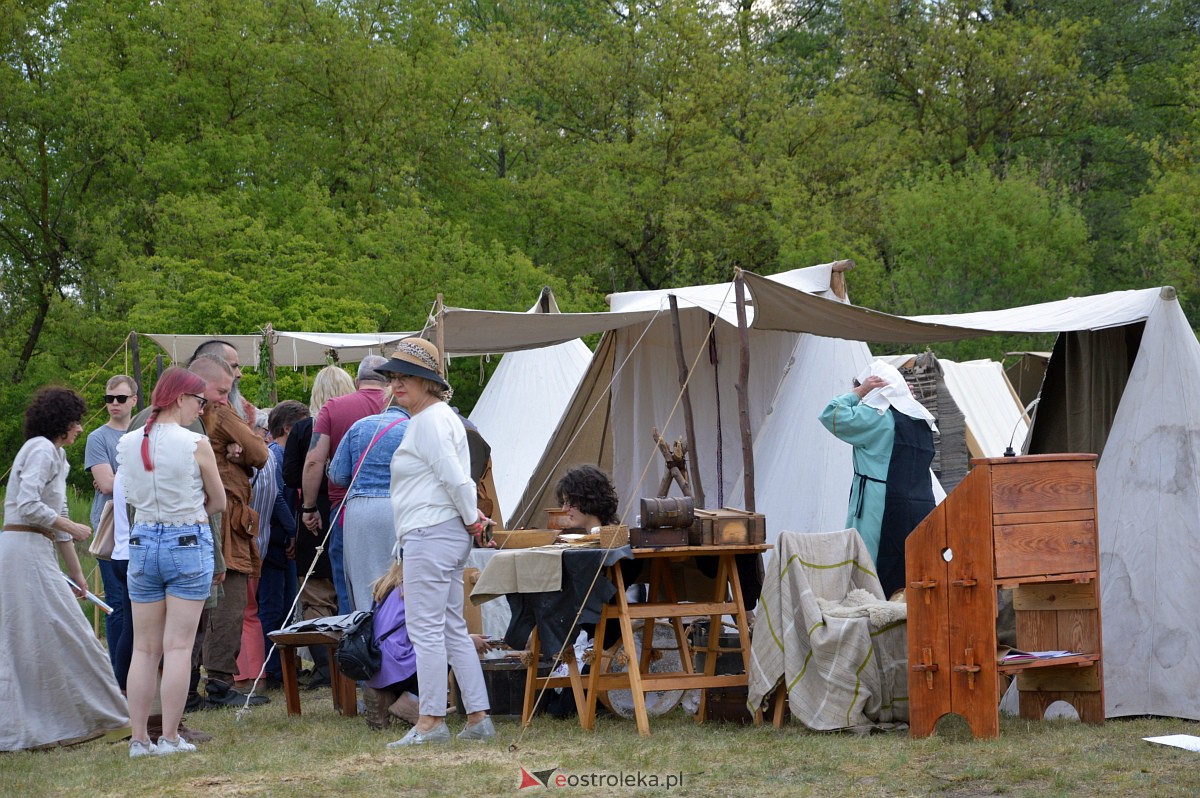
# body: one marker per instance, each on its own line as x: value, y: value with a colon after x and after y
x: 170, y: 477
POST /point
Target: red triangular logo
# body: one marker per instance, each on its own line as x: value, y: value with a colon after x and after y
x: 528, y: 780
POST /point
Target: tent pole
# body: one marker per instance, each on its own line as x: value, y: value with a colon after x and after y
x: 742, y: 393
x: 688, y: 420
x: 269, y: 335
x: 837, y: 278
x: 439, y: 313
x: 137, y: 370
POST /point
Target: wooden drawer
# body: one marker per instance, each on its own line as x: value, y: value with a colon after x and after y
x: 1043, y: 487
x: 1031, y: 549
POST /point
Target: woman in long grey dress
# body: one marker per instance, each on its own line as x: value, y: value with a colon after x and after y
x: 362, y: 465
x: 56, y: 682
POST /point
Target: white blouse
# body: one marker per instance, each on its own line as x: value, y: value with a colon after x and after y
x: 431, y: 472
x: 37, y: 486
x: 173, y: 493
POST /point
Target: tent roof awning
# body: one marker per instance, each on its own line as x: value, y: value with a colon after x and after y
x: 472, y: 332
x: 292, y: 349
x: 778, y: 307
x: 478, y: 332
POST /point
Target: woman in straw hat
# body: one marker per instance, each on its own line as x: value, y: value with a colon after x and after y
x: 434, y: 504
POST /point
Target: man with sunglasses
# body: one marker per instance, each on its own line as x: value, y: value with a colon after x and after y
x: 100, y: 460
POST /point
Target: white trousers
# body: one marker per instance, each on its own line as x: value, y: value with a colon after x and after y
x: 434, y: 558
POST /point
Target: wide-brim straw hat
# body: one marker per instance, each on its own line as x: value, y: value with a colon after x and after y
x: 415, y: 357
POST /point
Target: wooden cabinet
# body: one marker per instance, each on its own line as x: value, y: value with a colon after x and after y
x: 1023, y: 523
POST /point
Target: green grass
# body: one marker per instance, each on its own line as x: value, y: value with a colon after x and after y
x: 322, y: 753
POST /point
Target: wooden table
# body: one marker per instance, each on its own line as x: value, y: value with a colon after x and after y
x: 727, y: 599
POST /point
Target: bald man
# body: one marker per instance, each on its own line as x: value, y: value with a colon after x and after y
x: 239, y: 450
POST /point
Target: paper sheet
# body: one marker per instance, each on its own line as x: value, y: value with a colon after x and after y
x: 1189, y: 742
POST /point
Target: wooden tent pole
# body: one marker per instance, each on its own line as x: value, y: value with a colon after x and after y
x: 137, y: 370
x: 743, y: 392
x: 837, y: 277
x: 688, y: 419
x: 439, y: 313
x: 269, y: 334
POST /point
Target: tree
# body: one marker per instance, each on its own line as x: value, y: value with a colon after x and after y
x: 963, y: 241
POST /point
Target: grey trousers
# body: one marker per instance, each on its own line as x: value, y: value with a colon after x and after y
x: 434, y: 558
x: 368, y: 538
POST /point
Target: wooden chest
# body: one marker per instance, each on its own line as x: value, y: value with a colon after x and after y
x: 657, y: 538
x: 728, y: 705
x: 727, y: 526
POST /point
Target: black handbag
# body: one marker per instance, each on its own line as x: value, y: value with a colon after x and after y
x: 357, y: 654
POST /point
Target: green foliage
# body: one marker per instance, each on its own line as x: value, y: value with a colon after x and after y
x: 963, y: 241
x: 216, y: 167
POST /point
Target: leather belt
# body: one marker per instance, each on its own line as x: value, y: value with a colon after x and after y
x: 24, y: 528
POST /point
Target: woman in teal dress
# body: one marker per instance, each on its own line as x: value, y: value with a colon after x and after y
x: 892, y: 489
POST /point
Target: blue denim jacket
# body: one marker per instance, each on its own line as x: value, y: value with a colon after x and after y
x: 375, y: 475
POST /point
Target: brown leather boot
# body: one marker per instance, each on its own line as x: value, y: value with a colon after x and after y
x: 375, y: 707
x: 407, y: 708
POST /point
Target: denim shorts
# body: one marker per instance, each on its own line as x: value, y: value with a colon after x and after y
x: 170, y: 559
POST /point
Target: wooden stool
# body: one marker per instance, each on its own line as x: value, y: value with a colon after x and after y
x: 345, y: 695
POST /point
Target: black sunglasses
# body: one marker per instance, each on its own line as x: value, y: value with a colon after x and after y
x: 120, y: 399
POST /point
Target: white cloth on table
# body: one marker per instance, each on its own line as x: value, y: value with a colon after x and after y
x: 536, y: 570
x: 824, y: 626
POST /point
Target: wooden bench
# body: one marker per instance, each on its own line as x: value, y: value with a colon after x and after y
x: 345, y: 695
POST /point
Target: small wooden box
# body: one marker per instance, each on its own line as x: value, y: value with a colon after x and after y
x: 727, y: 527
x: 657, y: 538
x: 524, y: 538
x: 728, y: 705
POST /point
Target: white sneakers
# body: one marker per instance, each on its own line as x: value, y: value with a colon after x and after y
x: 139, y: 748
x: 166, y: 747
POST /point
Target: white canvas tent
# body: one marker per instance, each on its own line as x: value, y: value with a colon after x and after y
x: 993, y: 414
x: 632, y: 385
x: 1122, y: 382
x: 522, y: 403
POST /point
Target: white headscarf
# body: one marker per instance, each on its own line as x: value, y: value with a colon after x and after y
x: 895, y: 394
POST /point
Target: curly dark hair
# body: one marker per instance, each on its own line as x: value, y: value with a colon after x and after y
x: 52, y: 411
x: 590, y: 491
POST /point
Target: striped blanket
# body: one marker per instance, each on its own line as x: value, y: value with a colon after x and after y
x: 824, y: 627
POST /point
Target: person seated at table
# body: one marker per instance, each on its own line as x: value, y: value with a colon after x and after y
x: 588, y: 497
x: 393, y: 691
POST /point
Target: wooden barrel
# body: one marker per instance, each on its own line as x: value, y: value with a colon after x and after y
x: 667, y: 512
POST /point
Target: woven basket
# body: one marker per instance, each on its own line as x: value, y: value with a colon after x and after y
x: 614, y: 536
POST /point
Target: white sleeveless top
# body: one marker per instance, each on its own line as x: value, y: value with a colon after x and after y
x: 173, y: 492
